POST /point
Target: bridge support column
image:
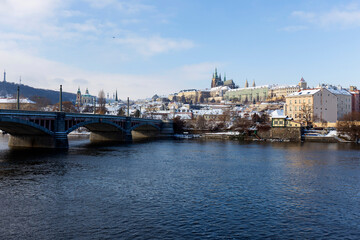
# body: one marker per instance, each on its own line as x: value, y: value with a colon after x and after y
x: 167, y: 129
x: 31, y: 141
x: 61, y: 140
x: 60, y: 136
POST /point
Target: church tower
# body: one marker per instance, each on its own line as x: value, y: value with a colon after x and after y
x: 254, y: 83
x: 216, y: 80
x: 4, y: 76
x: 116, y: 96
x: 302, y: 84
x: 78, y: 97
x: 246, y: 84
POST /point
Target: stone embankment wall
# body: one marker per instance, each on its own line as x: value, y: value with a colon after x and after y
x: 290, y: 134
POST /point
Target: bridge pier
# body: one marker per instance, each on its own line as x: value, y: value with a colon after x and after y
x: 31, y: 141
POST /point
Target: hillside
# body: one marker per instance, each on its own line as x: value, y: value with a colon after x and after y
x: 8, y: 88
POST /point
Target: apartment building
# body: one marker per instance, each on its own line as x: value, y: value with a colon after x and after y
x: 311, y: 105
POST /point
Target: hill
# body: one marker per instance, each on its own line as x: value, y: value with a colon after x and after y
x: 8, y: 88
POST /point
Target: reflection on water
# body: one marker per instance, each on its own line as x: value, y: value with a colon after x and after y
x: 180, y: 190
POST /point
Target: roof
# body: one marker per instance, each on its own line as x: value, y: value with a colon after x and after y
x: 257, y: 87
x: 304, y: 92
x: 338, y: 91
x: 13, y: 100
x: 229, y: 82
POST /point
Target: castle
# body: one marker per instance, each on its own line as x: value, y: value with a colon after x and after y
x: 217, y: 81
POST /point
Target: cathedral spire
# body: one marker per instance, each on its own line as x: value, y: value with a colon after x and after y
x: 116, y: 96
x: 246, y: 84
x: 254, y: 83
x: 216, y: 73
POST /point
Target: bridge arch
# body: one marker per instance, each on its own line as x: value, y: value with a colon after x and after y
x: 144, y: 124
x: 16, y: 126
x: 96, y: 125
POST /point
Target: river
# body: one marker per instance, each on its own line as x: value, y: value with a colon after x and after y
x: 181, y: 189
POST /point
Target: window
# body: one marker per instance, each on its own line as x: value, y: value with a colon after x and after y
x: 295, y: 101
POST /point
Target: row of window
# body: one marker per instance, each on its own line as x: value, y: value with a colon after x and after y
x: 304, y: 101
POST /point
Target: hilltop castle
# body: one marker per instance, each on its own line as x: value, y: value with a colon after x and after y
x: 217, y: 81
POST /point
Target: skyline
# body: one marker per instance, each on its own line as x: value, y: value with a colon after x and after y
x: 142, y: 48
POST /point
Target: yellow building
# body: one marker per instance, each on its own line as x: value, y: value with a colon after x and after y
x: 279, y: 120
x: 11, y: 103
x: 193, y: 95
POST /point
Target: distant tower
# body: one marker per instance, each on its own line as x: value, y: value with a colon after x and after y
x: 216, y: 80
x: 4, y: 76
x: 116, y: 96
x: 254, y: 83
x: 78, y: 97
x: 302, y: 83
x: 224, y: 77
x: 246, y: 84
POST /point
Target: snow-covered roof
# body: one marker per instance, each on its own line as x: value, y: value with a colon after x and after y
x: 219, y: 88
x: 257, y: 87
x: 338, y: 91
x: 13, y: 100
x: 304, y: 92
x: 278, y: 114
x: 284, y: 86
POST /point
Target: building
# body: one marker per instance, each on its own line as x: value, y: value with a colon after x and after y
x: 193, y: 96
x: 11, y: 103
x: 277, y: 92
x: 312, y: 105
x: 216, y: 80
x: 85, y: 99
x: 343, y: 99
x: 355, y: 99
x: 279, y: 120
x: 248, y: 94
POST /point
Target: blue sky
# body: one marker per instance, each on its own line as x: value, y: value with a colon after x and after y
x: 145, y: 47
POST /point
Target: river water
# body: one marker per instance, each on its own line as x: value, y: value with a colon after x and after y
x: 181, y: 189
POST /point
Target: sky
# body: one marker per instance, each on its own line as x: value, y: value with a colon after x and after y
x: 142, y: 47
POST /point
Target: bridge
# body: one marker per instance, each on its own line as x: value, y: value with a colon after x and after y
x: 51, y: 129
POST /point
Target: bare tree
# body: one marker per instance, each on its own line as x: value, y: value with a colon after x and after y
x: 350, y: 126
x: 306, y: 114
x: 121, y: 112
x: 101, y: 101
x: 178, y: 125
x: 200, y: 123
x: 137, y: 113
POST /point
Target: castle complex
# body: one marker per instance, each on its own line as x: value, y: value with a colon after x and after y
x: 216, y: 81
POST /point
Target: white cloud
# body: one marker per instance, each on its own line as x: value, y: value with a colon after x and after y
x: 344, y: 17
x: 295, y: 28
x: 149, y: 46
x: 128, y: 7
x: 42, y: 73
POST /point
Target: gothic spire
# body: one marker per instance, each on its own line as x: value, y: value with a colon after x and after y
x: 246, y: 84
x: 116, y: 96
x: 254, y: 83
